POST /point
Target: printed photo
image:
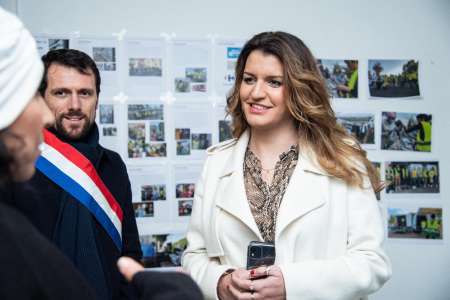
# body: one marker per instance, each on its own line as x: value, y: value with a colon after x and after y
x: 200, y: 141
x: 136, y: 132
x: 225, y: 130
x: 153, y: 192
x: 105, y: 58
x: 182, y: 85
x: 196, y: 74
x: 359, y: 125
x: 412, y: 177
x: 184, y: 208
x: 145, y: 112
x: 182, y: 133
x: 406, y: 131
x: 377, y: 167
x: 201, y: 88
x: 341, y: 77
x: 106, y: 113
x: 183, y: 147
x: 110, y: 131
x: 162, y: 250
x: 145, y: 67
x: 157, y: 131
x: 136, y: 148
x: 143, y: 209
x: 421, y: 223
x: 55, y: 44
x: 185, y: 190
x: 391, y: 78
x: 156, y: 150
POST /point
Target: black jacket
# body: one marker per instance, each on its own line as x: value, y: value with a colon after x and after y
x: 40, y: 200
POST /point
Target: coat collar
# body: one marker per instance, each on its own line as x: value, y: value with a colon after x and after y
x: 304, y: 193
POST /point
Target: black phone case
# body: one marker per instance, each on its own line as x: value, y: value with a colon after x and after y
x: 263, y: 259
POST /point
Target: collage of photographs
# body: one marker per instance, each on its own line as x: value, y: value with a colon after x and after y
x: 388, y: 80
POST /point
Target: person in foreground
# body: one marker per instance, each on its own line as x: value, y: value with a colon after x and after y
x: 32, y: 267
x: 292, y: 177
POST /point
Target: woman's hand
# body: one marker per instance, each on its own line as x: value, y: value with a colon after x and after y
x: 236, y: 285
x: 259, y: 283
x: 268, y: 283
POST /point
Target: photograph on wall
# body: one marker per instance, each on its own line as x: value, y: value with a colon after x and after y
x: 191, y: 62
x: 146, y: 131
x: 143, y: 209
x: 415, y: 223
x: 360, y: 125
x: 185, y: 176
x: 107, y: 122
x: 153, y: 192
x: 223, y: 121
x: 226, y: 55
x: 149, y: 184
x: 162, y: 250
x: 406, y: 131
x: 412, y: 177
x: 377, y: 166
x: 192, y: 129
x: 144, y: 64
x: 393, y: 78
x: 45, y: 43
x: 341, y: 77
x: 105, y: 54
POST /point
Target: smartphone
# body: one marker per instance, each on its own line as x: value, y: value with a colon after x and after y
x: 260, y: 254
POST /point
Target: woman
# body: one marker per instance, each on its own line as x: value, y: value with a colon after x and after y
x: 32, y: 267
x: 292, y: 177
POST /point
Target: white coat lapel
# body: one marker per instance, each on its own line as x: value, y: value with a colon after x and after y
x: 307, y: 190
x: 231, y: 195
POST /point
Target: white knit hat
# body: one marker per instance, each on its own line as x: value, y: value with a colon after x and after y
x: 21, y: 68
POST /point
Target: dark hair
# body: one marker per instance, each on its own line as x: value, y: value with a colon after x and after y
x: 69, y: 58
x: 308, y: 102
x: 6, y: 159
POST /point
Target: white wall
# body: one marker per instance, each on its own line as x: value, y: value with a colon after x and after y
x: 359, y: 29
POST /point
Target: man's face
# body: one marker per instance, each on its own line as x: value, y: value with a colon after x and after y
x: 72, y: 98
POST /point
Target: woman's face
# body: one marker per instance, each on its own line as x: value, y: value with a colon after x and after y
x: 24, y: 136
x: 263, y: 93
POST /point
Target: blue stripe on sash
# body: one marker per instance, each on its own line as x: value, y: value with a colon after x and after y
x: 79, y: 193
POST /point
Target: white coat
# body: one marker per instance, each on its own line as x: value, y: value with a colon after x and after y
x: 328, y: 237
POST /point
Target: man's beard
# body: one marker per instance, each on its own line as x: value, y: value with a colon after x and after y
x: 67, y: 135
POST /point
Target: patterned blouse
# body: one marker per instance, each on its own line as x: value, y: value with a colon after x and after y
x: 265, y: 199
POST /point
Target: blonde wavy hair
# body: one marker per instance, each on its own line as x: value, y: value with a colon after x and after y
x: 308, y: 101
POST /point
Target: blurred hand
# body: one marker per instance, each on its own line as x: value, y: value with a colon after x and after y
x: 128, y: 267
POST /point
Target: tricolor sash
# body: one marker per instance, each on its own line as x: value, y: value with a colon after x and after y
x: 74, y: 173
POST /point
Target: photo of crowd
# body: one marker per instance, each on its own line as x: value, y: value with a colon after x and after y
x: 421, y: 223
x: 162, y: 250
x: 194, y: 81
x: 185, y: 190
x: 359, y: 125
x: 412, y: 177
x: 200, y: 141
x: 393, y: 78
x: 341, y: 77
x: 145, y: 67
x: 153, y: 192
x: 145, y: 112
x: 105, y: 58
x: 143, y: 209
x: 406, y: 131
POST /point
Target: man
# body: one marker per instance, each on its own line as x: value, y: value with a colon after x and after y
x: 80, y: 197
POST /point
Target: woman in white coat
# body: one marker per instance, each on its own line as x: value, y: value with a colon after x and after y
x: 292, y: 177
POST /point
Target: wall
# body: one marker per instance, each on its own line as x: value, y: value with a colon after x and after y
x: 333, y: 29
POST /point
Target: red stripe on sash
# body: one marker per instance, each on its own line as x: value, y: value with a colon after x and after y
x: 85, y: 165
